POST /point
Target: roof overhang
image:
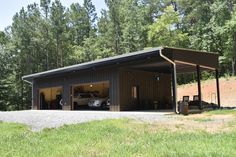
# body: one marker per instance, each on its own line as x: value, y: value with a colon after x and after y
x: 186, y: 57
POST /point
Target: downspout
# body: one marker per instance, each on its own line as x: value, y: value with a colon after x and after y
x: 174, y: 66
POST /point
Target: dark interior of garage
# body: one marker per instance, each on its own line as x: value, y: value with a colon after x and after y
x: 50, y: 98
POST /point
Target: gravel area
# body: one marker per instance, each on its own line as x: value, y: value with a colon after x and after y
x: 39, y: 120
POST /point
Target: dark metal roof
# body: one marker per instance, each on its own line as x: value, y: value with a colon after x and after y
x: 110, y: 61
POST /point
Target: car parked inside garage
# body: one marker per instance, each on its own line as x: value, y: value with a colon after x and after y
x: 82, y: 99
x: 102, y: 103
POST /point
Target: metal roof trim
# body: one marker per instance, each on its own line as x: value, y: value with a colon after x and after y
x: 90, y: 63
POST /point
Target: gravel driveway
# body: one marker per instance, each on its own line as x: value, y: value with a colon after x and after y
x: 39, y: 120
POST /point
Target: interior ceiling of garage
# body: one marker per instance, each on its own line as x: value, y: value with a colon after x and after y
x: 165, y: 67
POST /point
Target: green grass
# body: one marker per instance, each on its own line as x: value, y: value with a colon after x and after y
x: 203, y: 119
x: 112, y: 138
x: 222, y: 112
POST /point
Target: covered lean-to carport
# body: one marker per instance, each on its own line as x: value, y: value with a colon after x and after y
x: 142, y: 80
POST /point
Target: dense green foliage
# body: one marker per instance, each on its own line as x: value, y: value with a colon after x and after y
x: 113, y: 138
x: 48, y: 35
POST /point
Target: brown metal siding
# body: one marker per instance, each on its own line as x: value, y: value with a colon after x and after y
x: 123, y: 79
x: 149, y: 88
x: 34, y: 95
x: 66, y: 81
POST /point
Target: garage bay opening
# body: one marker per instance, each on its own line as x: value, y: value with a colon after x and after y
x: 50, y: 98
x: 91, y: 96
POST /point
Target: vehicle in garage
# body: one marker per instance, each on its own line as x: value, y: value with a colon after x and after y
x: 102, y: 103
x: 84, y: 93
x: 82, y: 99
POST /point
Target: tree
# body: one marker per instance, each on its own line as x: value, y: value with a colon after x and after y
x: 8, y: 98
x: 77, y: 16
x: 4, y: 74
x: 231, y: 42
x: 3, y: 38
x: 164, y: 32
x: 45, y: 5
x: 45, y: 31
x: 91, y: 17
x: 114, y: 10
x: 204, y: 22
x: 134, y: 31
x: 58, y: 19
x: 105, y: 35
x: 82, y: 21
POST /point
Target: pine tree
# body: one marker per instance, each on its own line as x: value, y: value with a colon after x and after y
x: 58, y: 19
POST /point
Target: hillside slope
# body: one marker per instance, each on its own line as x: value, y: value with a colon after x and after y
x: 209, y: 94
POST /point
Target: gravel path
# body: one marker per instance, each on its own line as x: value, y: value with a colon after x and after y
x: 39, y: 120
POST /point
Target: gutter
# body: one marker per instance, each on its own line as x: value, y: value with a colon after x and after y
x: 174, y: 66
x: 27, y: 81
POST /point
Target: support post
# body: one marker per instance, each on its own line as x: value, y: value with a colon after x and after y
x: 66, y: 96
x: 32, y: 95
x: 174, y: 89
x: 217, y: 87
x: 199, y: 86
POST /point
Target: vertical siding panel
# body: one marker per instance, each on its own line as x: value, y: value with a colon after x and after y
x: 35, y: 104
x: 80, y: 78
x: 148, y: 87
x: 121, y: 82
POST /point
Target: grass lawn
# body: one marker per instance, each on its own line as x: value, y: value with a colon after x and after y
x: 223, y: 112
x: 121, y: 137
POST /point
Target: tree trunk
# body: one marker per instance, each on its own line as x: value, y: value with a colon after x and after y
x: 116, y: 40
x: 46, y: 49
x: 57, y: 48
x: 233, y: 67
x: 60, y: 50
x: 47, y: 40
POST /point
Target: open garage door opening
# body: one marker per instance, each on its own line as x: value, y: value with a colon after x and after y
x: 50, y: 98
x: 91, y: 96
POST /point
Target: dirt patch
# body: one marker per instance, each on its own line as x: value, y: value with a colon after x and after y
x: 227, y: 91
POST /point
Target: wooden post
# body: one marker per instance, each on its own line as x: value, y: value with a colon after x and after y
x: 217, y: 87
x: 199, y: 86
x: 174, y: 90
